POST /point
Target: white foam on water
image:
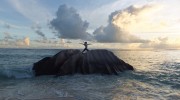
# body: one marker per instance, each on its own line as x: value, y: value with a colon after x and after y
x: 18, y: 73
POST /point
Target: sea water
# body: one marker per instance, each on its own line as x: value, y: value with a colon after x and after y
x: 156, y: 77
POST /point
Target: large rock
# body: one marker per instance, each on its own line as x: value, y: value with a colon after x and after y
x: 72, y: 61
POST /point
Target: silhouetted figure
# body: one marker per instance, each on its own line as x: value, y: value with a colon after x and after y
x: 86, y: 47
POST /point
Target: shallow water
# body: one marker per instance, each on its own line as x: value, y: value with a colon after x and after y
x: 157, y: 77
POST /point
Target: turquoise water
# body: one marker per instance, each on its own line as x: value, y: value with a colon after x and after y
x: 157, y: 77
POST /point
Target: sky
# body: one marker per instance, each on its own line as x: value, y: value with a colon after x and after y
x: 113, y: 24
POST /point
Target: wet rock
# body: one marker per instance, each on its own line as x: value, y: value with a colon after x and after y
x: 72, y: 61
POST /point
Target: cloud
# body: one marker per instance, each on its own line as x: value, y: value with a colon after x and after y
x: 40, y: 33
x: 12, y: 41
x: 119, y: 24
x: 49, y: 43
x: 69, y: 24
x: 20, y: 42
x: 8, y: 25
x: 139, y: 19
x: 37, y: 28
x: 27, y: 41
x: 160, y: 43
x: 68, y: 41
x: 113, y: 33
x: 9, y: 41
x: 99, y: 14
x: 163, y: 39
x: 7, y: 36
x: 32, y: 10
x: 44, y: 41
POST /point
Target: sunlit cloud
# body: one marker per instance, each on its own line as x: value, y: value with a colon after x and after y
x: 138, y: 19
x: 27, y: 41
x: 10, y: 42
x: 119, y: 24
x: 160, y: 43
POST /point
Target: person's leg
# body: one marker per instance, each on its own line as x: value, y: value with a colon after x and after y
x: 83, y: 50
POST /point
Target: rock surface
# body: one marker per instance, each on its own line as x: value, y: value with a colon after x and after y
x: 71, y: 61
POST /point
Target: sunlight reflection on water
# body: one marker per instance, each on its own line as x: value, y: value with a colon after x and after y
x: 148, y: 60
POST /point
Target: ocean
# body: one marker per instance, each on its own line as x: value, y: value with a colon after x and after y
x: 156, y: 77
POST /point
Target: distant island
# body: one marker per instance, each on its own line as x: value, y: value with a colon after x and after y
x: 73, y: 61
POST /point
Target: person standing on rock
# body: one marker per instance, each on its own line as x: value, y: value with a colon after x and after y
x: 86, y: 47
